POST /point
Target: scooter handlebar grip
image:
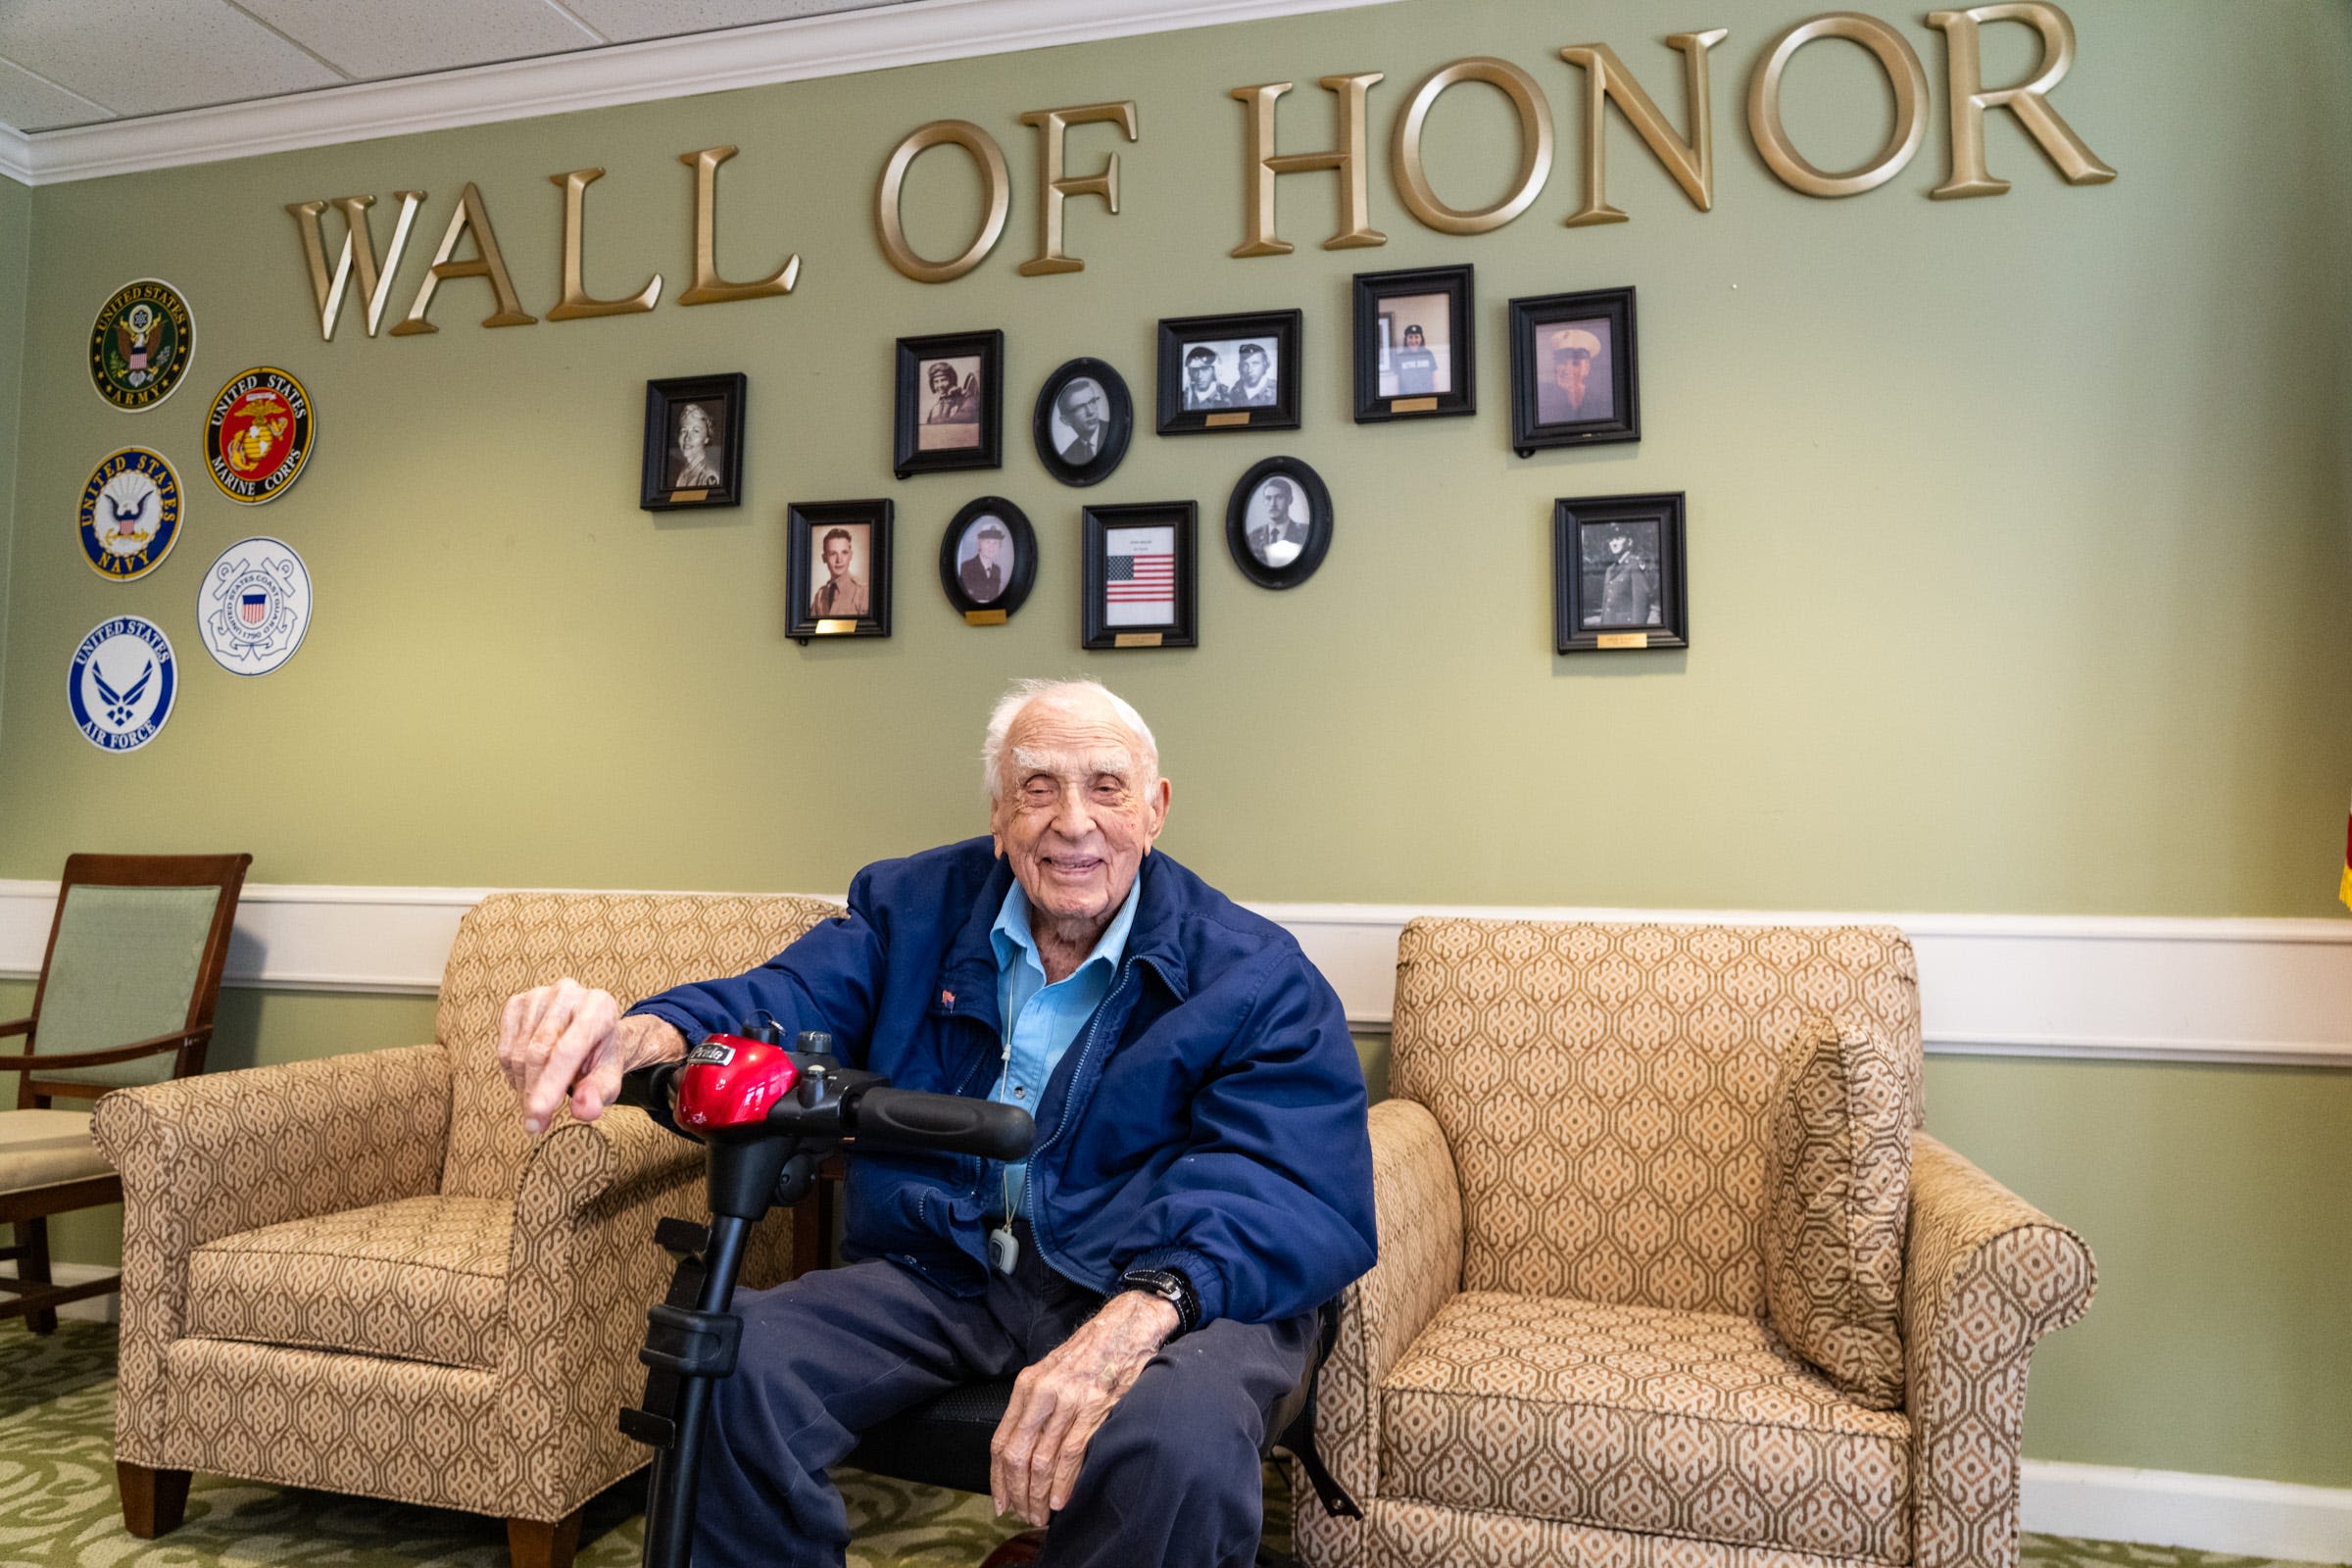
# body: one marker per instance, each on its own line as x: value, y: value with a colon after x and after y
x: 651, y: 1088
x: 909, y: 1119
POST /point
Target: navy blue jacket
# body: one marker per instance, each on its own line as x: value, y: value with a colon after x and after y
x: 1209, y: 1117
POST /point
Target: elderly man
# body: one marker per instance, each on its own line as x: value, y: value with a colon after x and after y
x: 1199, y: 1184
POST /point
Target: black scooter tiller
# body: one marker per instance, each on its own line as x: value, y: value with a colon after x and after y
x: 768, y: 1117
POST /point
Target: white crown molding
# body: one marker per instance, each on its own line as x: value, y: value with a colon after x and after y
x: 2246, y: 1518
x: 797, y: 50
x: 2095, y: 988
x: 16, y: 156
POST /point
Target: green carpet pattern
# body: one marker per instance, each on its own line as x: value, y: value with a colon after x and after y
x: 58, y: 1506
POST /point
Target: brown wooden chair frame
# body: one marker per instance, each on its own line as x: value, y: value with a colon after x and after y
x: 32, y: 1293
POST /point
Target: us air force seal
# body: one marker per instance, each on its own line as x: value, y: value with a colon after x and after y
x: 259, y: 435
x: 123, y: 683
x: 130, y: 514
x: 141, y: 344
x: 254, y: 606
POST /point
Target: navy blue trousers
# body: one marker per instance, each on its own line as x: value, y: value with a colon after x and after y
x: 1171, y: 1479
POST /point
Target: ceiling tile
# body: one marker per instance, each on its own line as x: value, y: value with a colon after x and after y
x: 29, y: 103
x: 143, y: 57
x: 632, y: 20
x: 371, y: 39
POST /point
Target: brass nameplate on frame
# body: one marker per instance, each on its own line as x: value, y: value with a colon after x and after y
x: 1220, y: 421
x: 836, y: 628
x: 1411, y: 405
x: 679, y: 497
x: 1141, y: 639
x: 983, y: 617
x: 1622, y: 638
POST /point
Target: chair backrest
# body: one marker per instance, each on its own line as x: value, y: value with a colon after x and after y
x: 135, y: 950
x: 1606, y: 1089
x: 631, y: 944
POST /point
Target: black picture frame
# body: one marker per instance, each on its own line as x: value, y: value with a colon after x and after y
x: 1408, y: 379
x: 1228, y: 338
x: 807, y: 523
x: 1117, y: 428
x: 1102, y: 624
x: 1540, y: 416
x: 1600, y: 598
x: 1267, y: 562
x: 666, y: 481
x: 963, y: 587
x: 921, y: 399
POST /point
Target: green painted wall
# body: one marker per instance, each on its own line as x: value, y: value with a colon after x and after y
x: 2018, y: 536
x: 15, y: 255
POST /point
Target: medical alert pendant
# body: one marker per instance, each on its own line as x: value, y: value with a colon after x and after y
x: 1003, y: 1249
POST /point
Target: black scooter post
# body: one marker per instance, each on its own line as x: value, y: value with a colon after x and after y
x: 757, y: 1162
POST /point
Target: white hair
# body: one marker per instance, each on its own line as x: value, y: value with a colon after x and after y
x: 1066, y: 695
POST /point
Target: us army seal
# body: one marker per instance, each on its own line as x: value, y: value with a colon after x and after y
x: 254, y: 606
x: 130, y: 514
x: 259, y: 435
x: 141, y: 344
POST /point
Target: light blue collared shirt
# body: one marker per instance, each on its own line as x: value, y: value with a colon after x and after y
x: 1040, y: 1019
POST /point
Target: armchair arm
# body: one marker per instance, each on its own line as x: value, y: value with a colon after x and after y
x: 1986, y: 1275
x: 149, y: 1046
x: 17, y: 1026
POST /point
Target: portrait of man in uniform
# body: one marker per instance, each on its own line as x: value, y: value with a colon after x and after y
x: 950, y: 406
x: 1620, y: 574
x: 1254, y: 386
x: 1574, y: 384
x: 984, y: 560
x: 1279, y: 524
x: 1202, y: 388
x: 841, y: 575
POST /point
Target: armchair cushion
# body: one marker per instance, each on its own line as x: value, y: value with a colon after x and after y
x: 1840, y: 1194
x: 423, y: 1279
x: 1647, y: 1419
x: 42, y: 1148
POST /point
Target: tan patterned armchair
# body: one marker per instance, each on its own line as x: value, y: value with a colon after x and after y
x: 360, y: 1274
x: 1625, y: 1171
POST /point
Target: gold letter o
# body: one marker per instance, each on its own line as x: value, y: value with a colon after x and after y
x: 1535, y: 146
x: 1904, y: 73
x: 990, y: 159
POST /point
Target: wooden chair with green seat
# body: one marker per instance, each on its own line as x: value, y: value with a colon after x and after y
x: 126, y: 997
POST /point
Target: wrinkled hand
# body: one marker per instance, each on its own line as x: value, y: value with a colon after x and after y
x: 1060, y: 1403
x: 566, y: 1039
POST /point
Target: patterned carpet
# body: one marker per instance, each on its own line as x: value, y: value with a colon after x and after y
x: 58, y: 1506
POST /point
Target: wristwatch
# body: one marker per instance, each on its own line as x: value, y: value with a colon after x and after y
x: 1171, y: 1287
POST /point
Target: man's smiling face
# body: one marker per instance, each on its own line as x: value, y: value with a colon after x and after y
x: 1075, y: 814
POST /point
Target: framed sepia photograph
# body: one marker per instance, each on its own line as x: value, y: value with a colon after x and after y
x: 1278, y: 522
x: 951, y: 403
x: 1617, y: 573
x: 837, y: 569
x: 1229, y: 373
x: 693, y: 443
x: 1413, y: 344
x: 1083, y: 421
x: 1575, y: 379
x: 988, y: 561
x: 1140, y: 576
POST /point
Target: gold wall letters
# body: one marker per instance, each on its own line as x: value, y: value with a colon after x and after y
x: 1347, y: 157
x: 359, y: 249
x: 990, y: 159
x: 2030, y: 102
x: 708, y: 287
x: 1053, y: 187
x: 1691, y: 163
x: 577, y: 304
x: 487, y: 262
x: 1535, y: 147
x: 1904, y: 73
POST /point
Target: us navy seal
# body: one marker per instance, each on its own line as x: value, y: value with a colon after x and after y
x: 123, y: 683
x: 130, y: 514
x: 254, y: 606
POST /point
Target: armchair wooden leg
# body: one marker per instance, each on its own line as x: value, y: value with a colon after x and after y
x: 537, y: 1544
x: 154, y: 1501
x: 32, y: 1270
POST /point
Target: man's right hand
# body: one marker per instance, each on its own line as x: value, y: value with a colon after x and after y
x: 567, y: 1041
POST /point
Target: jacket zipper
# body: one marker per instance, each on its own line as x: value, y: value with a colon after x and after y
x: 1086, y: 1050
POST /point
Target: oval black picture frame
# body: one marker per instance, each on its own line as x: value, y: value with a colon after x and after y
x: 1318, y: 534
x: 1024, y: 558
x: 1120, y: 428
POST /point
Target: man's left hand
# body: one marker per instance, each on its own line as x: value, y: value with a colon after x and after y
x: 1060, y: 1403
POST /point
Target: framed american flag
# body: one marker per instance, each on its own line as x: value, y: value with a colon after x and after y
x: 1141, y: 575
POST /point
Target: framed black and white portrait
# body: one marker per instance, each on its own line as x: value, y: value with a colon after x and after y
x: 1140, y: 576
x: 1414, y: 344
x: 1229, y: 373
x: 693, y: 443
x: 988, y: 561
x: 1083, y: 421
x: 1575, y: 379
x: 1618, y: 577
x: 837, y: 569
x: 951, y: 402
x: 1278, y: 522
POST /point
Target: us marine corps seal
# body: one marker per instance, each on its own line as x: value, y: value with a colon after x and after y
x: 141, y: 344
x: 259, y: 435
x: 123, y: 683
x: 254, y: 606
x: 130, y: 514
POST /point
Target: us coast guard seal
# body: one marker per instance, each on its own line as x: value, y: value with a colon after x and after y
x: 130, y: 514
x: 254, y: 606
x: 141, y: 344
x: 259, y: 435
x: 123, y: 683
